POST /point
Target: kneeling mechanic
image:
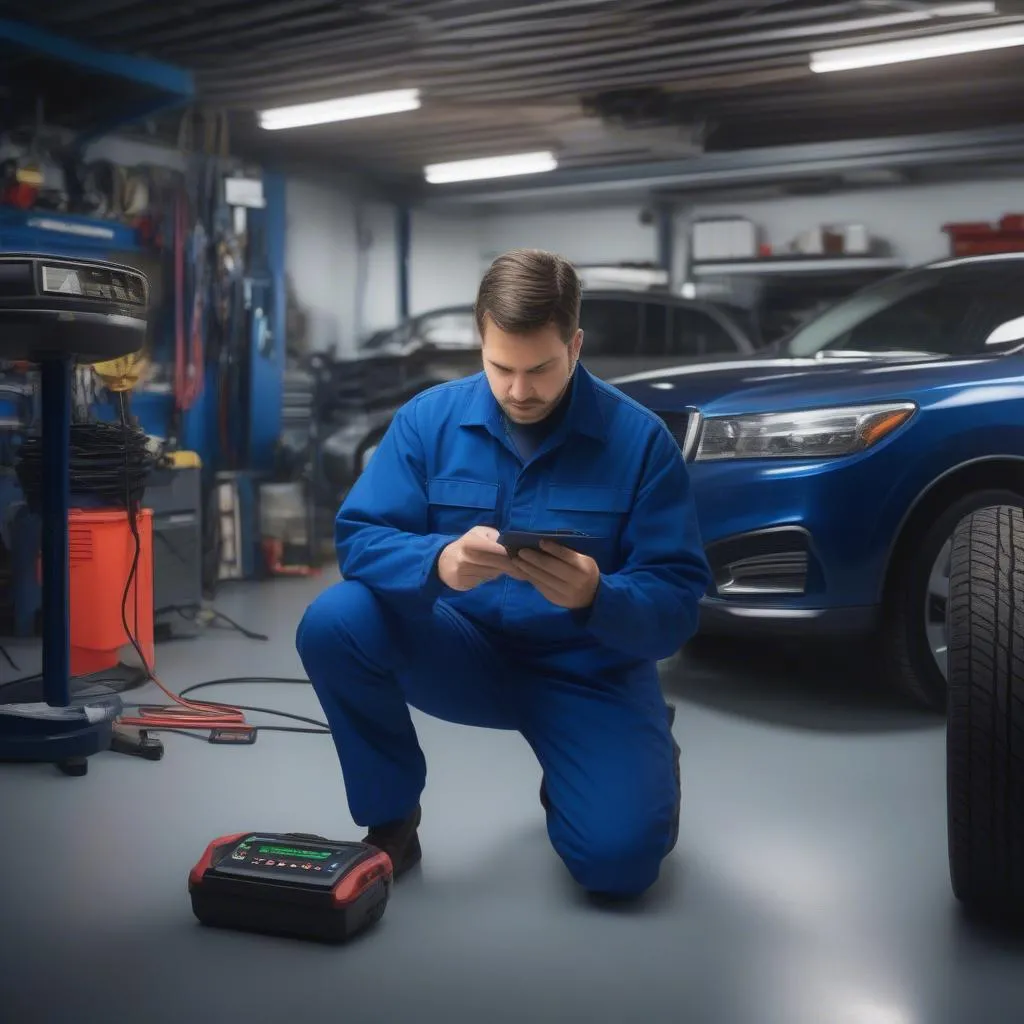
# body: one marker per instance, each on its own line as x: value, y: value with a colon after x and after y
x: 433, y: 612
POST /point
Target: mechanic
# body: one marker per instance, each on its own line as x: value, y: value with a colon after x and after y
x: 434, y: 613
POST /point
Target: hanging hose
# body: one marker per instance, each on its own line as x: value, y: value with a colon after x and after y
x: 188, y: 339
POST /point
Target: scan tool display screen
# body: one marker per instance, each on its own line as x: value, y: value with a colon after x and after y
x: 308, y: 862
x: 93, y: 283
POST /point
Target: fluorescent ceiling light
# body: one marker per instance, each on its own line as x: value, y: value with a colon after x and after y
x: 346, y: 108
x: 490, y: 167
x: 924, y: 48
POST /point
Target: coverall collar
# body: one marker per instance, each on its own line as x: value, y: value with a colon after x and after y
x: 583, y: 416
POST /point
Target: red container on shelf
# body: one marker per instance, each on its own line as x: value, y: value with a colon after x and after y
x: 981, y: 239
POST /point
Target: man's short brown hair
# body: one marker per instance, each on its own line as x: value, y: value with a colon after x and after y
x: 527, y: 289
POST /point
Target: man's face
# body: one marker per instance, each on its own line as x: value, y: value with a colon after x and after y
x: 528, y: 373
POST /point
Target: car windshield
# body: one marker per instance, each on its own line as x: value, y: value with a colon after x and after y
x: 955, y: 310
x: 452, y: 328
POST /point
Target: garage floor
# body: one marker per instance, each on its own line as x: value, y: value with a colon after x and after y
x: 809, y: 886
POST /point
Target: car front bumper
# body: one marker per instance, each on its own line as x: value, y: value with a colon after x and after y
x: 797, y: 548
x: 730, y: 617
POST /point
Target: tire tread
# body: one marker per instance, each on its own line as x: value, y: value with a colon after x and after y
x: 985, y: 711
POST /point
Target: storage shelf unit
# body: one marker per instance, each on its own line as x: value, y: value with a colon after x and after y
x: 91, y: 92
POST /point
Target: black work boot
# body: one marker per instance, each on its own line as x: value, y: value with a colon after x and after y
x: 679, y: 782
x: 399, y: 840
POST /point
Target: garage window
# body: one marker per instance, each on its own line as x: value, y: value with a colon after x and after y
x: 654, y: 335
x: 611, y: 327
x: 963, y: 311
x: 695, y: 333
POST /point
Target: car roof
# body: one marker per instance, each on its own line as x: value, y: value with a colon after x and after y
x: 966, y: 261
x: 637, y: 294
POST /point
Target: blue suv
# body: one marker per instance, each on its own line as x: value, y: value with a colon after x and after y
x: 831, y: 469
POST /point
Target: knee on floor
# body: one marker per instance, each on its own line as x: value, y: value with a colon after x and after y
x: 622, y: 860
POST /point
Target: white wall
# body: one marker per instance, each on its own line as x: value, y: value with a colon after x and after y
x: 594, y: 234
x: 910, y: 219
x: 444, y: 264
x: 341, y: 258
x: 452, y: 248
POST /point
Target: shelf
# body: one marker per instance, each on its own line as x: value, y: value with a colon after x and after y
x: 32, y: 230
x: 89, y: 91
x: 797, y: 265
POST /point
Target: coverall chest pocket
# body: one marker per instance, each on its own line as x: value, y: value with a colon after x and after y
x: 593, y: 509
x: 456, y: 506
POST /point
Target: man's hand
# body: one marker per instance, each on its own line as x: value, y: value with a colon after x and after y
x: 475, y: 558
x: 566, y: 578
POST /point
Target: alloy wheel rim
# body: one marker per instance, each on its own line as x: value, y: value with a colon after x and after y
x: 936, y: 605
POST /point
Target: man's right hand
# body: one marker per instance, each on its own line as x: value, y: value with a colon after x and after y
x: 475, y: 558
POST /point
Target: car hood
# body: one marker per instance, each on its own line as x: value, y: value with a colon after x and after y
x: 768, y: 382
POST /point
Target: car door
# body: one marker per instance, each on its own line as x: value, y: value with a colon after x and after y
x: 694, y: 333
x: 611, y: 332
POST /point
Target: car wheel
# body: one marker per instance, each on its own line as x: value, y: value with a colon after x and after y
x: 985, y: 719
x: 914, y: 627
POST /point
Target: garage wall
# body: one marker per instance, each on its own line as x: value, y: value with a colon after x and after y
x: 597, y: 233
x: 451, y: 249
x: 341, y: 260
x: 909, y: 218
x: 444, y: 264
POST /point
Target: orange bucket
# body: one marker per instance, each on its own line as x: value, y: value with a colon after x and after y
x: 101, y: 549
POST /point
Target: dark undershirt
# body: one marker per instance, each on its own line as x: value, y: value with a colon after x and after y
x: 528, y: 437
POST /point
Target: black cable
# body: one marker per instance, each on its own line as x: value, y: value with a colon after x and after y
x: 8, y: 658
x: 131, y: 503
x: 236, y: 680
x: 183, y: 609
x: 248, y: 633
x: 108, y: 461
x: 322, y: 728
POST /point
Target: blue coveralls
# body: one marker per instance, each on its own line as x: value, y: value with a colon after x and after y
x: 581, y: 687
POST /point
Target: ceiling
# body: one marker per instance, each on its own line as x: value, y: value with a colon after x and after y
x: 601, y: 82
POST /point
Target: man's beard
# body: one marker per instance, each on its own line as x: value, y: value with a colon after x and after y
x: 527, y: 412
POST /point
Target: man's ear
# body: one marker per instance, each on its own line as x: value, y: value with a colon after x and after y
x: 577, y: 345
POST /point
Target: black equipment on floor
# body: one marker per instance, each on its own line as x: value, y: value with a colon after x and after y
x: 175, y: 496
x: 294, y: 884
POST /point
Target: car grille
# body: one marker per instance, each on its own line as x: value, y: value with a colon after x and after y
x: 683, y: 427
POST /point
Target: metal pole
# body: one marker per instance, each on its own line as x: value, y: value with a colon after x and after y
x: 55, y: 498
x: 404, y: 225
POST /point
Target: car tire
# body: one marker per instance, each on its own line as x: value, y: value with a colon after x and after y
x: 985, y: 718
x: 910, y: 665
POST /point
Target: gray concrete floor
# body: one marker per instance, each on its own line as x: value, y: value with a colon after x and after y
x: 809, y: 886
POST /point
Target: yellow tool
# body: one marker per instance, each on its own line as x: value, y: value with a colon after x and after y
x: 122, y: 374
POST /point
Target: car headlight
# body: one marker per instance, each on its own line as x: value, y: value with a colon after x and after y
x: 806, y: 434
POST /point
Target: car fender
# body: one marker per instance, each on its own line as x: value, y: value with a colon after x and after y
x: 929, y: 471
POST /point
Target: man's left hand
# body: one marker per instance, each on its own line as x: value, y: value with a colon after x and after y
x: 565, y: 577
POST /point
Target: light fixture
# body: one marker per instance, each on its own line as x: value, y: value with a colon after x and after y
x: 490, y: 167
x: 345, y: 108
x: 923, y: 48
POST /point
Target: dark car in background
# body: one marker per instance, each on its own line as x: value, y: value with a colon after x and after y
x: 830, y: 471
x: 624, y: 332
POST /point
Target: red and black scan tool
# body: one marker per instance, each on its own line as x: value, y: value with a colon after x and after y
x: 291, y: 884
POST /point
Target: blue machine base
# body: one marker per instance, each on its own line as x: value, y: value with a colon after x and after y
x: 67, y: 744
